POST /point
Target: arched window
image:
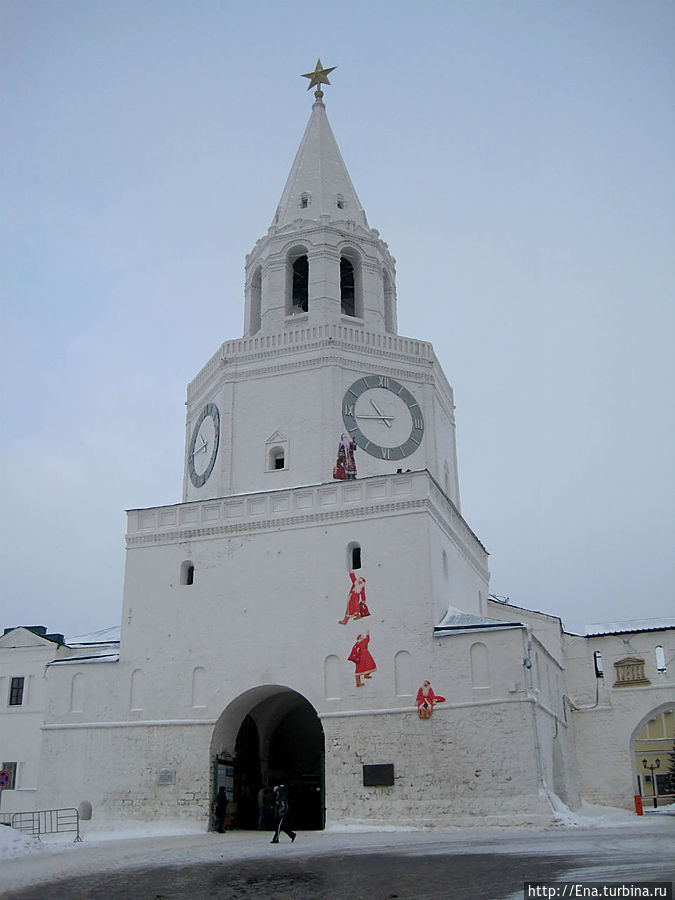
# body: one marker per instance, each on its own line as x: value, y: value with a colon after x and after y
x: 403, y: 683
x: 354, y: 556
x: 77, y: 693
x: 304, y: 200
x: 660, y: 659
x: 347, y: 287
x: 277, y: 458
x: 199, y: 686
x: 480, y: 665
x: 331, y: 678
x: 187, y: 572
x: 256, y: 300
x: 300, y: 285
x: 445, y: 564
x: 136, y: 692
x: 388, y: 303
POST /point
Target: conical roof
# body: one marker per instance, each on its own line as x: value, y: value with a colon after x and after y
x: 318, y: 183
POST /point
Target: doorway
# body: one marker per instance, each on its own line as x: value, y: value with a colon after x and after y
x: 268, y: 736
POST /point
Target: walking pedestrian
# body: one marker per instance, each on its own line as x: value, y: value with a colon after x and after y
x: 282, y: 812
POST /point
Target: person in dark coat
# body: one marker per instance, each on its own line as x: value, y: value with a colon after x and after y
x: 220, y: 810
x: 282, y: 811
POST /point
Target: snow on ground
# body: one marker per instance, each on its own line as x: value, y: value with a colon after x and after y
x: 13, y: 843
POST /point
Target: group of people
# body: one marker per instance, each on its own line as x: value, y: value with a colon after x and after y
x: 277, y: 805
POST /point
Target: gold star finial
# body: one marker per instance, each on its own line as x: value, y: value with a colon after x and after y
x: 318, y: 77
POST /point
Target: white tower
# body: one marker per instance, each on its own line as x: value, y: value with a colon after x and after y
x: 320, y: 355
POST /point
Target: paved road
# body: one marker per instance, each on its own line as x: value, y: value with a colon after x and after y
x: 490, y: 864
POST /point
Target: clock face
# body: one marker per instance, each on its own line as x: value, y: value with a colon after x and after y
x: 203, y: 447
x: 383, y: 417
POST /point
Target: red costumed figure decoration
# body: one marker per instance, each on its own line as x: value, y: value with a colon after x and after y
x: 360, y: 655
x: 426, y: 699
x: 356, y: 603
x: 345, y: 467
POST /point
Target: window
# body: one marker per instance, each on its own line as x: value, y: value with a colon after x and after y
x: 187, y: 572
x: 347, y: 287
x: 10, y: 768
x: 597, y: 663
x: 340, y: 201
x: 389, y: 304
x: 16, y: 692
x: 277, y: 458
x: 256, y: 301
x: 300, y: 285
x: 276, y: 452
x: 304, y: 200
x: 353, y: 556
x: 660, y: 659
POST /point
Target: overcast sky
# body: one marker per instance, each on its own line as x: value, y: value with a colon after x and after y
x: 517, y: 157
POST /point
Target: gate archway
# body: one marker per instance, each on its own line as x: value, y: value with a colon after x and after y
x: 652, y: 744
x: 270, y: 735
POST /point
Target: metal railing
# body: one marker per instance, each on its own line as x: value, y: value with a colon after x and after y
x: 47, y: 821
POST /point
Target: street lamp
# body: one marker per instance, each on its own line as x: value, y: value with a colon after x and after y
x: 655, y: 765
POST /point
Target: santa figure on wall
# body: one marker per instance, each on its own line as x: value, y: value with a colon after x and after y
x: 361, y: 657
x: 426, y: 699
x: 356, y: 602
x: 345, y: 467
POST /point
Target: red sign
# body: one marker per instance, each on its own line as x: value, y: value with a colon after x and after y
x: 5, y: 778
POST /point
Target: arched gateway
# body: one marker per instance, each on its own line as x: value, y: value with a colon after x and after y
x: 266, y: 736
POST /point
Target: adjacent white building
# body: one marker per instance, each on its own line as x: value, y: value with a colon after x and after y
x: 279, y: 622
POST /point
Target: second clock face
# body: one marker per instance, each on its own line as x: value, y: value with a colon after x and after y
x: 203, y: 447
x: 383, y: 417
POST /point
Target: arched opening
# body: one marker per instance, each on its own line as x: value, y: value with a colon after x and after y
x: 270, y: 735
x: 187, y: 572
x: 300, y: 284
x: 388, y: 288
x: 354, y: 556
x: 347, y: 287
x: 651, y: 745
x: 351, y: 299
x: 256, y: 301
x: 276, y: 459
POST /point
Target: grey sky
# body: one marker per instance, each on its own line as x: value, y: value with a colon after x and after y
x: 516, y: 156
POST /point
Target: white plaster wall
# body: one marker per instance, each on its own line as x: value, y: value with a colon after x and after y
x: 23, y: 654
x: 606, y: 722
x: 297, y: 389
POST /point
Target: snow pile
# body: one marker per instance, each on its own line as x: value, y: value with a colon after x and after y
x: 111, y: 830
x: 587, y: 814
x: 13, y: 843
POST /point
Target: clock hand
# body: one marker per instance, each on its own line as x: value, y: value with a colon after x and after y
x: 381, y: 415
x: 379, y: 418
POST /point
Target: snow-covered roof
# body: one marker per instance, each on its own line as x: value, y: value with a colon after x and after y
x: 96, y: 647
x: 103, y: 636
x: 597, y: 628
x: 455, y: 620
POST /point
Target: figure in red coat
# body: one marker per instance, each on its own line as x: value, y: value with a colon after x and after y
x: 426, y: 699
x: 345, y: 467
x: 360, y: 655
x: 356, y: 602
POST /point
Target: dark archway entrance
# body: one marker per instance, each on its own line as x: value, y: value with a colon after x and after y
x: 271, y: 735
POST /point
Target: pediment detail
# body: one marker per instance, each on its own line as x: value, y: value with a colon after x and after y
x: 276, y: 438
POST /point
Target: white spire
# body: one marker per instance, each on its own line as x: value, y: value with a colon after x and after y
x: 319, y: 184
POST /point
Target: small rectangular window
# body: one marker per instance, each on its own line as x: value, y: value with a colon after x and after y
x: 16, y: 692
x: 10, y: 768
